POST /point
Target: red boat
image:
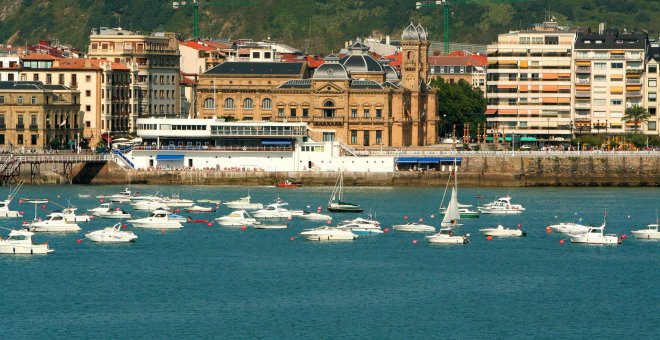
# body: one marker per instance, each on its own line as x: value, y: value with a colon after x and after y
x: 289, y: 184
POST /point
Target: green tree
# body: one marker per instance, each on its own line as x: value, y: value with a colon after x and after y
x: 459, y: 103
x: 637, y: 115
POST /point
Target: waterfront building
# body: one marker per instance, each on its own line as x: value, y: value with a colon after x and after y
x: 156, y: 86
x: 651, y: 89
x: 609, y: 69
x: 354, y: 99
x: 199, y: 56
x: 104, y: 88
x: 32, y: 114
x: 9, y: 67
x: 530, y: 82
x: 460, y: 65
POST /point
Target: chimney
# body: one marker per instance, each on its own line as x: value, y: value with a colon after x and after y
x: 387, y: 40
x: 601, y: 28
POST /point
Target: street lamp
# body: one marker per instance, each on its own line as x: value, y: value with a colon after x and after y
x: 548, y: 126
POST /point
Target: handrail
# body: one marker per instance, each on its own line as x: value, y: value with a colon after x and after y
x: 124, y: 158
x: 214, y: 148
x: 58, y: 158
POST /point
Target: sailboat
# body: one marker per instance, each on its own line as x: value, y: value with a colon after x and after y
x: 452, y: 215
x: 336, y: 204
x: 462, y: 209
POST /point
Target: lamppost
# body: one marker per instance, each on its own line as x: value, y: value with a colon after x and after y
x: 548, y: 126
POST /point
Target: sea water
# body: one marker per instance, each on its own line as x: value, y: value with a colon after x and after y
x: 219, y: 282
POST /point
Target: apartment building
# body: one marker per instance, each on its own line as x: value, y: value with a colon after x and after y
x: 198, y: 57
x: 609, y: 72
x: 529, y: 82
x: 460, y: 65
x: 651, y: 89
x: 32, y: 114
x: 156, y: 86
x: 104, y: 87
x: 9, y: 67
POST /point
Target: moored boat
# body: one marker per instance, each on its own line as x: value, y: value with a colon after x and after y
x: 237, y: 218
x: 56, y: 222
x: 335, y: 204
x: 159, y: 219
x: 649, y: 233
x: 20, y: 242
x: 243, y: 203
x: 500, y: 231
x: 112, y: 234
x: 414, y: 227
x: 595, y: 235
x: 502, y: 206
x: 325, y: 233
x: 447, y: 236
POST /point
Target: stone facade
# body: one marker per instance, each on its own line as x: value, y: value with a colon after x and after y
x: 355, y: 99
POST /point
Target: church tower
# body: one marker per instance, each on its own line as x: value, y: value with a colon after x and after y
x: 414, y: 49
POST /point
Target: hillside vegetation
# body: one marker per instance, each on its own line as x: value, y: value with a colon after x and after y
x: 317, y: 26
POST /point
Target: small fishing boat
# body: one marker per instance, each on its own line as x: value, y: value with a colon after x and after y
x: 336, y: 204
x: 595, y: 235
x: 289, y: 184
x: 649, y: 233
x: 447, y: 236
x: 414, y: 227
x: 158, y: 219
x: 20, y: 242
x: 122, y: 197
x: 199, y: 209
x: 502, y: 206
x: 4, y: 204
x: 326, y: 233
x: 243, y: 203
x: 237, y: 218
x: 149, y: 205
x: 273, y: 211
x: 175, y: 201
x: 500, y: 231
x: 102, y: 208
x: 56, y: 222
x: 69, y: 214
x: 112, y: 234
x: 361, y: 226
x: 111, y: 213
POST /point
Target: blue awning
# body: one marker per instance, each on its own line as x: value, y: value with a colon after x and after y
x: 451, y: 159
x: 169, y: 157
x: 429, y: 160
x: 412, y: 160
x: 275, y: 142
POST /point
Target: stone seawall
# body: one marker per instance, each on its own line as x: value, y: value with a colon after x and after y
x: 482, y: 171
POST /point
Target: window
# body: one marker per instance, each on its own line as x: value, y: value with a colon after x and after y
x: 88, y: 93
x: 247, y: 104
x: 33, y: 139
x: 2, y: 99
x: 267, y: 104
x: 353, y: 113
x: 653, y: 82
x: 2, y: 139
x: 293, y: 111
x: 209, y: 103
x: 379, y: 113
x: 305, y: 112
x: 652, y: 112
x: 651, y: 126
x: 653, y: 97
x: 600, y: 89
x: 653, y: 68
x: 88, y: 78
x: 33, y: 121
x: 353, y: 136
x: 328, y: 136
x: 280, y: 112
x: 49, y: 78
x: 366, y: 113
x: 256, y: 55
x: 229, y: 103
x: 617, y: 65
x: 599, y: 102
x: 379, y: 137
x: 600, y: 66
x: 616, y: 101
x: 19, y: 139
x: 600, y: 77
x: 88, y: 108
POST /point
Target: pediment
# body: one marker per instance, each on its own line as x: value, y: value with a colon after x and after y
x: 328, y: 88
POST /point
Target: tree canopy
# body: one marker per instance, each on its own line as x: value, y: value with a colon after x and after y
x: 637, y: 115
x: 458, y: 104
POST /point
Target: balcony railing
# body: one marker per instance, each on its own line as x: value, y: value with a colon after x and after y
x: 633, y: 93
x: 34, y: 126
x: 583, y: 69
x: 583, y: 94
x: 20, y: 126
x: 582, y: 105
x: 633, y: 81
x: 634, y: 70
x: 214, y: 148
x: 328, y: 120
x: 583, y: 81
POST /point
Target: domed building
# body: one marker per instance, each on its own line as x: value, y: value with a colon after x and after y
x: 355, y: 98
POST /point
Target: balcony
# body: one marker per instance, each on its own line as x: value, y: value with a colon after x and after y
x: 583, y: 69
x: 20, y: 127
x: 633, y: 93
x: 633, y: 81
x: 634, y: 69
x: 34, y: 127
x: 583, y: 94
x: 582, y: 105
x: 583, y: 81
x: 328, y: 120
x: 368, y: 120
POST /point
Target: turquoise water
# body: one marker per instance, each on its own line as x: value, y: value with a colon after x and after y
x: 213, y: 282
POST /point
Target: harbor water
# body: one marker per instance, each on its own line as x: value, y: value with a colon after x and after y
x: 221, y: 282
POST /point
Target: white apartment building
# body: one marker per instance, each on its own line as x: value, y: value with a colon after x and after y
x: 609, y: 72
x: 529, y: 83
x: 9, y: 67
x: 156, y: 85
x: 198, y: 57
x: 651, y: 89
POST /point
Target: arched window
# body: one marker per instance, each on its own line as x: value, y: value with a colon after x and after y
x: 328, y: 110
x: 267, y: 104
x: 209, y: 103
x: 229, y: 103
x: 247, y: 103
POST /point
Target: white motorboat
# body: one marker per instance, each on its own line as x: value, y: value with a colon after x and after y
x: 649, y: 233
x: 70, y: 215
x: 273, y: 211
x: 102, y: 208
x: 115, y: 213
x: 502, y: 206
x: 312, y: 216
x: 175, y: 201
x: 237, y: 218
x: 447, y: 236
x: 216, y: 202
x: 56, y: 222
x: 500, y: 231
x: 199, y: 209
x: 4, y: 205
x: 595, y: 235
x: 326, y: 233
x: 176, y: 217
x: 414, y: 227
x: 149, y: 205
x: 271, y: 226
x: 569, y: 228
x: 158, y: 219
x: 20, y: 242
x: 122, y: 197
x: 243, y: 203
x: 112, y: 234
x: 361, y: 226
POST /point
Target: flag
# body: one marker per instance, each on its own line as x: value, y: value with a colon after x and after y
x: 63, y: 123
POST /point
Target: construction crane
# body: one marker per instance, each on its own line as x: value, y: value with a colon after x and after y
x: 195, y: 9
x: 446, y: 4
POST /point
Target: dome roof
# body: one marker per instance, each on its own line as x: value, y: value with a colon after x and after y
x: 331, y: 71
x: 361, y: 63
x: 391, y: 74
x: 413, y: 32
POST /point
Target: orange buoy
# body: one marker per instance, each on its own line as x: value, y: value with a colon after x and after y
x: 414, y: 241
x: 489, y: 238
x: 561, y: 241
x: 162, y: 230
x: 386, y: 230
x: 79, y: 241
x: 210, y: 224
x: 292, y: 238
x: 548, y: 230
x: 243, y: 228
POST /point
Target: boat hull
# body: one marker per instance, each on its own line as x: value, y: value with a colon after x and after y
x: 643, y: 235
x: 420, y: 228
x: 583, y: 238
x: 502, y: 232
x: 8, y: 248
x: 344, y: 208
x: 156, y: 224
x: 102, y: 237
x: 444, y: 239
x: 9, y: 214
x: 271, y: 226
x: 54, y: 228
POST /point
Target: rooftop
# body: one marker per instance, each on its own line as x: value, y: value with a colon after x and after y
x: 259, y: 68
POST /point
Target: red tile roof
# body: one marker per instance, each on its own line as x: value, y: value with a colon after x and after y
x: 470, y: 60
x: 196, y: 45
x: 395, y: 59
x: 38, y: 56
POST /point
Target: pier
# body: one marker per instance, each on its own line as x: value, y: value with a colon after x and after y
x: 10, y: 166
